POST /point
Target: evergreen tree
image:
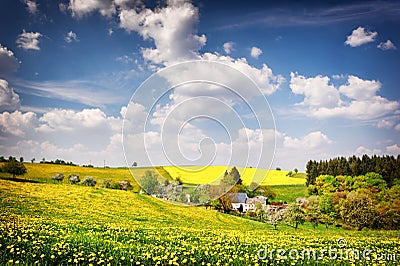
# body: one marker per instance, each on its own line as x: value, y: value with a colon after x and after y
x: 312, y: 172
x: 236, y: 175
x: 387, y: 166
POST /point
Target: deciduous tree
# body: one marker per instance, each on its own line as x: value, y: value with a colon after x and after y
x: 150, y: 183
x: 14, y: 167
x: 358, y: 210
x: 295, y: 215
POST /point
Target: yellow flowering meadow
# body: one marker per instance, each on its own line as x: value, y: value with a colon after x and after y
x: 53, y: 224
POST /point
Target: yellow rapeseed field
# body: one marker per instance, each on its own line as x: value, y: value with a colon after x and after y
x: 205, y: 175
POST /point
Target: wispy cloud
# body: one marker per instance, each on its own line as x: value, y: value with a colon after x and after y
x: 316, y: 16
x: 34, y: 109
x: 29, y: 40
x: 76, y: 91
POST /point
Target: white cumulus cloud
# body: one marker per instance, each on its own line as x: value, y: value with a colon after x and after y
x: 388, y: 45
x: 255, y: 52
x: 31, y: 6
x: 69, y: 120
x: 228, y: 47
x: 17, y: 123
x: 393, y: 149
x: 80, y: 8
x: 357, y: 99
x: 172, y: 28
x: 71, y: 37
x: 8, y: 62
x: 29, y: 40
x: 9, y: 100
x: 361, y: 150
x: 360, y: 89
x: 310, y: 141
x: 266, y: 80
x: 317, y: 91
x: 294, y: 152
x: 360, y: 36
x: 80, y: 136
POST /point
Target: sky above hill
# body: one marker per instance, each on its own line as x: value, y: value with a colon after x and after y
x: 329, y: 71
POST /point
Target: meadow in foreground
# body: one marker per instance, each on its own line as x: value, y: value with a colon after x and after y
x: 51, y: 224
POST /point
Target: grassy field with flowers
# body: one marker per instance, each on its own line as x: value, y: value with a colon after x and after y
x: 53, y: 224
x: 43, y: 172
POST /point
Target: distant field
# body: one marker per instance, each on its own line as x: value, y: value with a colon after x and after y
x: 190, y: 175
x: 197, y: 175
x: 289, y: 193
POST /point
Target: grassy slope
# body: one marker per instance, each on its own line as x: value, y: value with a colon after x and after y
x: 289, y: 193
x: 63, y: 202
x: 43, y: 172
x: 64, y: 222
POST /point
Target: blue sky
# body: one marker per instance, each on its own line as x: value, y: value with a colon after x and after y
x: 330, y: 72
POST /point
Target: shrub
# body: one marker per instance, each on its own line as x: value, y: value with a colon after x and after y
x: 73, y: 178
x: 115, y: 185
x: 125, y: 185
x: 106, y: 183
x: 58, y: 177
x: 88, y: 181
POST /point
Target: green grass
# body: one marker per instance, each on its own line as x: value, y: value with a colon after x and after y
x: 44, y: 172
x: 289, y: 193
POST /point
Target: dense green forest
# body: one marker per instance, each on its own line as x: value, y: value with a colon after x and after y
x: 359, y: 192
x: 387, y: 166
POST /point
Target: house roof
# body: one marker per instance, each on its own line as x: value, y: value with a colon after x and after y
x: 239, y: 197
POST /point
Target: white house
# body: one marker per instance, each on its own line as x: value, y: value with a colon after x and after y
x: 252, y: 202
x: 241, y: 202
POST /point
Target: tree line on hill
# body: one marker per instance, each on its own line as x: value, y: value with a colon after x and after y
x: 387, y: 166
x: 360, y: 201
x: 356, y: 192
x: 57, y: 161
